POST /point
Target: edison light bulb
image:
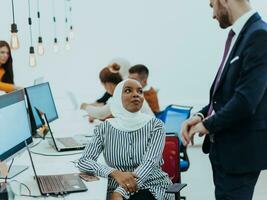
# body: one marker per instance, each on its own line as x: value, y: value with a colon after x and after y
x: 55, y: 46
x: 67, y: 46
x: 32, y: 59
x: 14, y: 41
x: 40, y: 47
x: 71, y: 33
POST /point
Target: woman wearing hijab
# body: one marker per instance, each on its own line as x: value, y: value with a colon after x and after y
x: 110, y: 77
x: 132, y: 144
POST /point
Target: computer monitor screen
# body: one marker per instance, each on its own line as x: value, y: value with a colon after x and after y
x: 40, y: 97
x: 14, y: 124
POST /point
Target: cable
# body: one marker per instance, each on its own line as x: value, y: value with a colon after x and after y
x: 70, y: 15
x: 66, y: 17
x: 39, y: 16
x: 30, y: 195
x: 25, y: 195
x: 30, y: 21
x: 54, y: 19
x: 37, y: 143
x: 9, y: 169
x: 13, y: 13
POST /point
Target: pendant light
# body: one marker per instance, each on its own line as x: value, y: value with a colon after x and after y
x: 71, y: 35
x: 14, y: 40
x: 40, y: 46
x: 55, y: 45
x: 67, y: 42
x: 32, y: 58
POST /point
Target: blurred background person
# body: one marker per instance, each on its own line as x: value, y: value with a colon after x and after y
x: 140, y: 73
x: 6, y: 69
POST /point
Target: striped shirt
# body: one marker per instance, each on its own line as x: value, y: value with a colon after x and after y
x: 137, y: 151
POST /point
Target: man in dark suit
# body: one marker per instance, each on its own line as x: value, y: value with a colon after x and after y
x: 235, y: 120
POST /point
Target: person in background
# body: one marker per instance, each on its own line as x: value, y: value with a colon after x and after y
x: 6, y: 69
x: 132, y: 144
x: 140, y: 73
x: 124, y: 67
x: 234, y: 121
x: 109, y: 77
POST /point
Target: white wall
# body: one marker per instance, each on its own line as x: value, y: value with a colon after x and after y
x: 178, y: 40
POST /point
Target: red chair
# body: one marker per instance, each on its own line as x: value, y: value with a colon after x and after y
x: 171, y: 158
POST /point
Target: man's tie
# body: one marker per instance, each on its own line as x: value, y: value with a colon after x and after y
x: 210, y: 137
x: 231, y: 34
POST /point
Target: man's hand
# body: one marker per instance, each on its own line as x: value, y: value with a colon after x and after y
x: 198, y: 128
x: 187, y: 126
x: 115, y: 196
x: 127, y: 180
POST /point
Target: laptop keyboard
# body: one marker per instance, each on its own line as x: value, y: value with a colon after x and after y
x: 59, y: 184
x: 68, y: 142
x: 52, y: 183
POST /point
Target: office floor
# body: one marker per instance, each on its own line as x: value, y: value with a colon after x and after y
x: 199, y: 178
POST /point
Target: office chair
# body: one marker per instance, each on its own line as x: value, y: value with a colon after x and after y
x: 171, y: 158
x: 173, y: 116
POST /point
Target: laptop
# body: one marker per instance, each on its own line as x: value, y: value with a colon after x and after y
x: 64, y: 143
x: 57, y: 184
x: 41, y: 101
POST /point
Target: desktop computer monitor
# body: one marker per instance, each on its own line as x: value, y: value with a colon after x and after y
x: 40, y: 97
x: 14, y: 127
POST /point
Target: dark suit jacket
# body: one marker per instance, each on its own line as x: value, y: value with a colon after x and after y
x: 240, y: 103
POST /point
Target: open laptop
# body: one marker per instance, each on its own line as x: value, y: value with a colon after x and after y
x: 64, y: 143
x: 40, y: 102
x: 57, y: 184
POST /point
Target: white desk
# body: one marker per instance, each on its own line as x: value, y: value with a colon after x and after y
x: 70, y: 124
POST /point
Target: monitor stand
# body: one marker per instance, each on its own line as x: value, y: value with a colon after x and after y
x: 15, y: 170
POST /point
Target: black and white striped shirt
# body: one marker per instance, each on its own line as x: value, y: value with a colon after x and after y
x: 137, y: 151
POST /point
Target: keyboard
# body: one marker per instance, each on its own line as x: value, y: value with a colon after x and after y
x: 52, y: 184
x: 68, y: 142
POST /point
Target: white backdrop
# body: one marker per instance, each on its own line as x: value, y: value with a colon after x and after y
x: 178, y: 40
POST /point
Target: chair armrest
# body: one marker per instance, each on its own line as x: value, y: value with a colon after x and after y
x: 175, y: 188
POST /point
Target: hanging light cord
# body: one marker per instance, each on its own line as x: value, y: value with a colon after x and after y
x: 39, y: 17
x: 70, y: 16
x: 13, y: 13
x: 54, y: 19
x: 30, y: 21
x: 66, y: 19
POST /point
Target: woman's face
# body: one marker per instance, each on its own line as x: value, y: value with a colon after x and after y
x: 132, y: 96
x: 4, y: 55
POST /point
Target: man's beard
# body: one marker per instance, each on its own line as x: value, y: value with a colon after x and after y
x: 224, y: 20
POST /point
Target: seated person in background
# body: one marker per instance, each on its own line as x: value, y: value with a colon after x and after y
x: 109, y: 77
x: 140, y: 73
x: 6, y: 69
x: 124, y: 67
x: 132, y: 144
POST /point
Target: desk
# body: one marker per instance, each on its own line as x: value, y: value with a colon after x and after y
x: 69, y: 125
